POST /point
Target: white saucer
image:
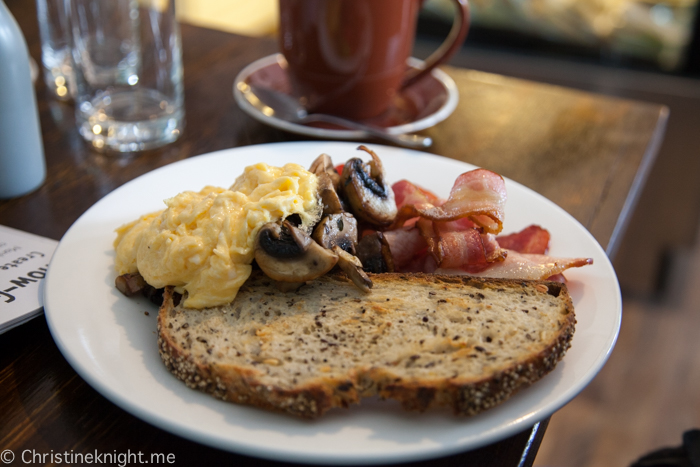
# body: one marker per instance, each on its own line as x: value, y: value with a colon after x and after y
x: 417, y: 107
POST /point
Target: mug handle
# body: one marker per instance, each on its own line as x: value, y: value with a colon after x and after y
x: 453, y: 41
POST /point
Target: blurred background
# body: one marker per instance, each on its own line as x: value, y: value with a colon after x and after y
x: 645, y: 33
x: 655, y: 34
x: 647, y: 50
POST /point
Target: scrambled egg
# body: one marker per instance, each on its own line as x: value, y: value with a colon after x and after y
x: 202, y: 243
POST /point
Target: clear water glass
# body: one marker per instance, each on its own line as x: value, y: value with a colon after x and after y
x: 127, y: 63
x: 55, y: 52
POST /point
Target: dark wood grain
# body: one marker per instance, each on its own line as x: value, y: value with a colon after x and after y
x: 587, y: 153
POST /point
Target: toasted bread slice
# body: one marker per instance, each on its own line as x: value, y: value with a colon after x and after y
x: 425, y: 340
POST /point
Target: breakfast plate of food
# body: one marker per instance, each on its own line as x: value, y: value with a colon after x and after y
x: 463, y: 309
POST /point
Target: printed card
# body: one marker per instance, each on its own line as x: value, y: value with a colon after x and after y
x: 24, y: 260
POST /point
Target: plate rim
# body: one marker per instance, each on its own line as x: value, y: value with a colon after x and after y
x: 242, y: 448
x: 421, y: 124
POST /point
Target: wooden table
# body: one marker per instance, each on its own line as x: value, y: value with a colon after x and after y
x: 589, y: 154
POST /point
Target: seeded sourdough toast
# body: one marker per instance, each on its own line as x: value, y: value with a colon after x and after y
x: 425, y: 340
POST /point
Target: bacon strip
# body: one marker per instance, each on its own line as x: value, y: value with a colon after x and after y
x: 458, y: 244
x: 525, y: 266
x: 479, y: 195
x: 405, y: 244
x: 456, y: 249
x: 533, y: 239
x: 421, y: 263
x: 456, y: 236
x: 494, y: 252
x: 406, y: 192
x: 407, y: 197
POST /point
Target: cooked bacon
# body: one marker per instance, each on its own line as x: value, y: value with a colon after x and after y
x: 457, y: 235
x: 409, y: 196
x: 458, y: 244
x: 533, y: 239
x: 525, y: 266
x: 494, y: 252
x: 427, y: 231
x: 465, y: 247
x: 406, y: 192
x: 405, y: 244
x: 479, y: 195
x: 423, y: 262
x: 458, y: 225
x: 455, y: 249
x: 557, y: 278
x: 492, y: 249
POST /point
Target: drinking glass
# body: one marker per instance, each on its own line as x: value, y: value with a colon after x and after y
x: 127, y: 62
x: 55, y: 52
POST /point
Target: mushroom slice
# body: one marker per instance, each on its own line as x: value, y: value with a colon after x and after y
x: 324, y: 164
x: 365, y: 189
x: 352, y: 267
x: 374, y: 253
x: 288, y: 254
x: 332, y: 204
x: 328, y: 180
x: 130, y: 284
x: 337, y: 230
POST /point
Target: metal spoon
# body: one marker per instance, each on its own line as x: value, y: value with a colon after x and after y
x: 285, y: 107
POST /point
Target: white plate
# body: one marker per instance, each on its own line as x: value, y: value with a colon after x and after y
x: 111, y: 343
x: 432, y: 99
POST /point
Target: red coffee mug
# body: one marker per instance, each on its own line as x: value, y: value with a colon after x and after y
x: 348, y: 57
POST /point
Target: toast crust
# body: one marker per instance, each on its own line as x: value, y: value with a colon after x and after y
x: 193, y: 347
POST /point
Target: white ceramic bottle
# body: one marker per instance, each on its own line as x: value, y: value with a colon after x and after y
x: 22, y: 163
